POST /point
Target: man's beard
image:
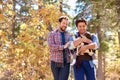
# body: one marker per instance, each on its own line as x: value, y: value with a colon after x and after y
x: 63, y: 30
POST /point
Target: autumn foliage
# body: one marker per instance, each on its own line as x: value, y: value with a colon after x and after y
x: 23, y: 48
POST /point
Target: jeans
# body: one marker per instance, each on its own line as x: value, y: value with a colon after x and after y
x: 60, y: 73
x: 86, y: 70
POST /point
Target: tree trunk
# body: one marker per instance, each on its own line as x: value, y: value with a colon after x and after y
x: 119, y: 36
x: 13, y: 21
x: 118, y: 12
x: 61, y: 6
x: 104, y: 66
x: 50, y: 27
x: 100, y: 68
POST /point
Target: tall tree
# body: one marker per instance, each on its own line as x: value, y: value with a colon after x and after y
x: 118, y: 12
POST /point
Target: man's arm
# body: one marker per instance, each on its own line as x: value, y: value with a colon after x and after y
x: 54, y: 46
x: 76, y: 42
x: 93, y: 45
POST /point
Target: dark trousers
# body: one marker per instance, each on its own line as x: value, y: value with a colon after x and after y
x: 85, y: 70
x: 60, y: 73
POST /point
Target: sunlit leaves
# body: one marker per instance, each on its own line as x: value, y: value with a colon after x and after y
x: 1, y: 17
x: 27, y: 55
x: 50, y: 14
x: 23, y: 26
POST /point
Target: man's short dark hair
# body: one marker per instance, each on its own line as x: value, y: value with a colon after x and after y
x: 63, y: 17
x: 80, y: 20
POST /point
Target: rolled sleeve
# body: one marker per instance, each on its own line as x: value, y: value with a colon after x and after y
x: 95, y: 41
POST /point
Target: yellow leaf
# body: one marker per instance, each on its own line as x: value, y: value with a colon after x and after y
x: 23, y: 26
x: 10, y: 6
x: 10, y: 12
x: 0, y: 32
x: 20, y: 74
x: 1, y: 10
x: 1, y: 17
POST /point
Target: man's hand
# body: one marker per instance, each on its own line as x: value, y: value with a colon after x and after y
x: 86, y: 40
x: 66, y: 45
x: 82, y: 50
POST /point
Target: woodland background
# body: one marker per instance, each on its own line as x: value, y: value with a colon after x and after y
x: 25, y: 25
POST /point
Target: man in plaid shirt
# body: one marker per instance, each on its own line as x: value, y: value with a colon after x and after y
x: 58, y: 42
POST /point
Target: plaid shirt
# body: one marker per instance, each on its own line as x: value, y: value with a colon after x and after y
x: 56, y: 49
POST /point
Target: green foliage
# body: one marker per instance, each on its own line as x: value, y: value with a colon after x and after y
x: 104, y: 46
